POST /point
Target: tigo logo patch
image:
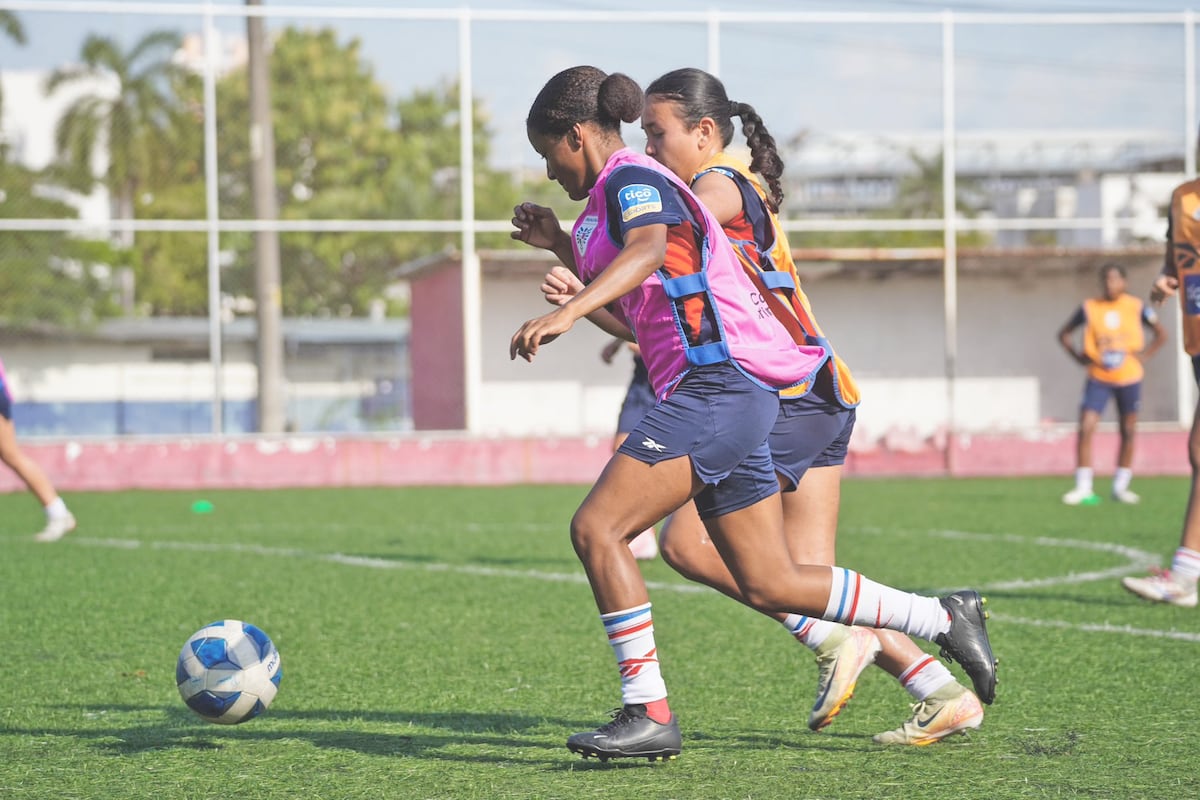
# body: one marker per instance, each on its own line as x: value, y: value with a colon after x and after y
x: 638, y: 199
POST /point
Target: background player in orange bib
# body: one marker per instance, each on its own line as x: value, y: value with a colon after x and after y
x: 1113, y: 350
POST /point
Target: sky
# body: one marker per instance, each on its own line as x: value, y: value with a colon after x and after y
x: 819, y: 77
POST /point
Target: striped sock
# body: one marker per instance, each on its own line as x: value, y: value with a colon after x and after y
x: 856, y: 600
x: 924, y: 676
x: 631, y: 634
x: 809, y: 631
x: 1185, y: 566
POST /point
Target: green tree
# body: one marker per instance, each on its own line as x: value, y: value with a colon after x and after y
x: 171, y: 271
x: 344, y: 150
x: 12, y: 28
x: 49, y: 278
x: 132, y: 124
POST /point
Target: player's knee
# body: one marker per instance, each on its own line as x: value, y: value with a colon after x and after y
x: 766, y: 596
x: 673, y: 551
x: 589, y: 530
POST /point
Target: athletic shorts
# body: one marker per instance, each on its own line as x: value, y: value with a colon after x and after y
x: 810, y: 431
x: 1096, y: 394
x: 639, y: 399
x: 5, y: 399
x: 720, y: 419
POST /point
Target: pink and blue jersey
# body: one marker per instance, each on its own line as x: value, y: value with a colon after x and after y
x: 691, y: 311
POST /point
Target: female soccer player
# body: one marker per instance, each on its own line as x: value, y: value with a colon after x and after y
x: 688, y: 124
x: 639, y: 399
x: 1113, y: 350
x: 645, y: 247
x: 59, y: 520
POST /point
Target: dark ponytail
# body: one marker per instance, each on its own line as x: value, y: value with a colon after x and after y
x: 701, y: 95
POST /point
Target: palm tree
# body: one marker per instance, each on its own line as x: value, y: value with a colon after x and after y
x: 133, y: 125
x: 11, y: 26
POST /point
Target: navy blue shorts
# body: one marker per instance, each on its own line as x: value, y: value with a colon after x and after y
x: 720, y: 419
x: 5, y: 400
x: 1096, y: 394
x: 810, y: 431
x: 639, y: 398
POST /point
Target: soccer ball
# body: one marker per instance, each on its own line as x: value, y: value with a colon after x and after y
x: 228, y: 672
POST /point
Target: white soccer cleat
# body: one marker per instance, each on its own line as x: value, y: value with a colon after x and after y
x: 645, y: 545
x: 56, y: 528
x: 840, y: 660
x: 1080, y: 497
x: 1126, y: 496
x: 950, y: 710
x: 1161, y: 587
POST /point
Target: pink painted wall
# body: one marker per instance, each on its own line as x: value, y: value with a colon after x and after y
x: 436, y: 351
x: 449, y: 460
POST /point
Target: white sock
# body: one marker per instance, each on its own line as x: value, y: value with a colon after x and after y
x: 57, y: 509
x: 1083, y: 479
x: 809, y: 631
x: 631, y: 634
x: 1185, y: 566
x: 925, y: 676
x: 856, y: 600
x: 1121, y: 479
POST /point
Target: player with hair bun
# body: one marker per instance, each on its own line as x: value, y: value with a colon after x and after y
x: 654, y: 261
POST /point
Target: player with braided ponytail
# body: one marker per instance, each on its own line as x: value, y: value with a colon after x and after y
x: 688, y: 125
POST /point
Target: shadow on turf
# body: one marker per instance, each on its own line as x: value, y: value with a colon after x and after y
x: 181, y: 729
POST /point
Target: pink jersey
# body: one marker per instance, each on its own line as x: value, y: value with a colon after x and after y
x: 685, y: 314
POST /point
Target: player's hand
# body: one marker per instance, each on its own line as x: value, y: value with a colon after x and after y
x: 536, y: 332
x: 610, y: 350
x: 560, y: 285
x: 1164, y: 286
x: 536, y: 225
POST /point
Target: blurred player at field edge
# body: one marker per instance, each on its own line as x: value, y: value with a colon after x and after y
x: 639, y: 398
x: 59, y: 521
x: 1181, y: 270
x: 1113, y: 351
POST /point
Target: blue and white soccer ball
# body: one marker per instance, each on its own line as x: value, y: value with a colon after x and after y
x: 228, y: 672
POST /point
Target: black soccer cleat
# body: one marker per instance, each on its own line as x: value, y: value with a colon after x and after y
x: 631, y: 734
x: 967, y: 641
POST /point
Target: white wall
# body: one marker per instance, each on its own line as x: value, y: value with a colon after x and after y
x: 886, y: 323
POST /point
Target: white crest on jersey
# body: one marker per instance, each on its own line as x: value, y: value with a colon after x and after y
x: 584, y: 231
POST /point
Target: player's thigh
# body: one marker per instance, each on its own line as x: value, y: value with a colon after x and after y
x: 631, y: 495
x: 810, y: 516
x: 8, y: 440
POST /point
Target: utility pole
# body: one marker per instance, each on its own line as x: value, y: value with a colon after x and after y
x: 267, y: 293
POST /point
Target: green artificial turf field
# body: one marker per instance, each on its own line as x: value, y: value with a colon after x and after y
x: 442, y: 643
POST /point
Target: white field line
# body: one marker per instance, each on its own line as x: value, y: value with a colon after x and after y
x: 1136, y: 560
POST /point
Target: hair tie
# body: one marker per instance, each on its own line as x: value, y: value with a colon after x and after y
x: 734, y: 108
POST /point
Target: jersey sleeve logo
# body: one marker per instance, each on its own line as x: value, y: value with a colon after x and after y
x: 637, y: 199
